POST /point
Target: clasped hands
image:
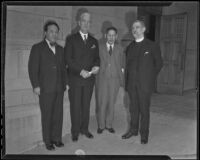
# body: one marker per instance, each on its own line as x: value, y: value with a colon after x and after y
x: 86, y: 74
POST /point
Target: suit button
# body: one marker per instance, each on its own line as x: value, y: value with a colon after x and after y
x: 54, y: 66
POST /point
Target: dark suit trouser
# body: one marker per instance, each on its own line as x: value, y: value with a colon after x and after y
x: 80, y: 97
x: 51, y: 106
x: 139, y: 110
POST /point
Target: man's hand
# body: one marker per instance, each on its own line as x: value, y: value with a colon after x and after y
x: 95, y: 70
x: 37, y: 90
x: 67, y: 87
x: 85, y: 74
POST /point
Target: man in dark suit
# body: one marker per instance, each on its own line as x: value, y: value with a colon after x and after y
x: 82, y: 58
x: 47, y: 73
x: 143, y: 63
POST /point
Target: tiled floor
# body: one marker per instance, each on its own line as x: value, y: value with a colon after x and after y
x: 173, y: 129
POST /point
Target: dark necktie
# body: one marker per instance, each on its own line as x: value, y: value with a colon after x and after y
x: 85, y: 39
x: 110, y: 50
x: 52, y: 44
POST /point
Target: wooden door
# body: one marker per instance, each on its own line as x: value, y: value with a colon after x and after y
x: 173, y: 46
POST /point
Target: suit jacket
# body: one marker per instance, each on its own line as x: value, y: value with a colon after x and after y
x: 78, y: 56
x: 47, y: 70
x: 107, y: 69
x: 149, y: 63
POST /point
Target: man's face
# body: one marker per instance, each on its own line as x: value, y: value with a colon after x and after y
x: 138, y: 30
x: 52, y: 33
x: 111, y: 36
x: 84, y: 22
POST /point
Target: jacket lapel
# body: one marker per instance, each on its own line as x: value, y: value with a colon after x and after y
x: 105, y: 51
x: 47, y: 49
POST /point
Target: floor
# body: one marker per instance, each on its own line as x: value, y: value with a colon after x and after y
x: 173, y: 131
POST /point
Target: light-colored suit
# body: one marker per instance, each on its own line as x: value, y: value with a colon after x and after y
x: 108, y: 81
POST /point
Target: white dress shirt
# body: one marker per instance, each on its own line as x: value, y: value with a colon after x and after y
x: 53, y: 48
x: 83, y: 35
x: 108, y: 46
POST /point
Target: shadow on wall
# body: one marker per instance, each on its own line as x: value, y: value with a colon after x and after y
x: 130, y: 17
x: 105, y: 25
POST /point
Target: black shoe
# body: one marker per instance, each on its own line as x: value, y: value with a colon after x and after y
x: 144, y: 141
x: 74, y: 138
x: 111, y: 130
x: 88, y: 135
x: 99, y: 130
x: 129, y: 134
x: 58, y: 144
x: 49, y: 146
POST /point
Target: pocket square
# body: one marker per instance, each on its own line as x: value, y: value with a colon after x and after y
x: 93, y: 46
x: 146, y: 52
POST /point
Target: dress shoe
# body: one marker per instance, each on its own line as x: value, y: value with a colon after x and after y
x: 49, y: 146
x: 74, y: 138
x: 129, y: 135
x: 99, y: 130
x: 144, y: 141
x: 88, y: 135
x: 58, y: 144
x: 111, y: 130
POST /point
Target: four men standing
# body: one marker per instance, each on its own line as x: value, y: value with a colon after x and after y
x: 84, y: 58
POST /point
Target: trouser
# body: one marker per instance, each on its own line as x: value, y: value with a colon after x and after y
x: 80, y: 97
x: 107, y: 94
x: 51, y: 106
x: 139, y: 110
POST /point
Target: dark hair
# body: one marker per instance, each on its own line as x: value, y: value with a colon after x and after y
x: 49, y: 23
x: 111, y: 28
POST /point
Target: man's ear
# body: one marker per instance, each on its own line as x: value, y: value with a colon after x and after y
x: 79, y: 23
x: 44, y: 34
x: 105, y: 35
x: 144, y: 29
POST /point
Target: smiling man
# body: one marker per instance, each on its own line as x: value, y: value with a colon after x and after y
x: 109, y: 80
x: 143, y: 63
x: 82, y: 58
x: 48, y: 77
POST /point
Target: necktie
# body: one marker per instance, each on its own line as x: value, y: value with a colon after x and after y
x: 110, y: 50
x: 52, y: 44
x: 85, y: 38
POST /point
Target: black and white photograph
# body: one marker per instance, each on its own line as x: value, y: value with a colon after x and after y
x: 100, y: 78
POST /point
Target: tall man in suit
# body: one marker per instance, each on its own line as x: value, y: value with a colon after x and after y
x: 82, y: 58
x: 48, y: 77
x: 143, y: 63
x: 109, y: 80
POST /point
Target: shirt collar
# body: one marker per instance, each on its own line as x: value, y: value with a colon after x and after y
x: 140, y: 39
x: 82, y: 34
x: 108, y: 45
x: 48, y: 42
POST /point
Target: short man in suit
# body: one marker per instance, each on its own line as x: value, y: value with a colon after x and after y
x: 47, y: 73
x: 82, y: 58
x: 109, y: 80
x: 143, y: 63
